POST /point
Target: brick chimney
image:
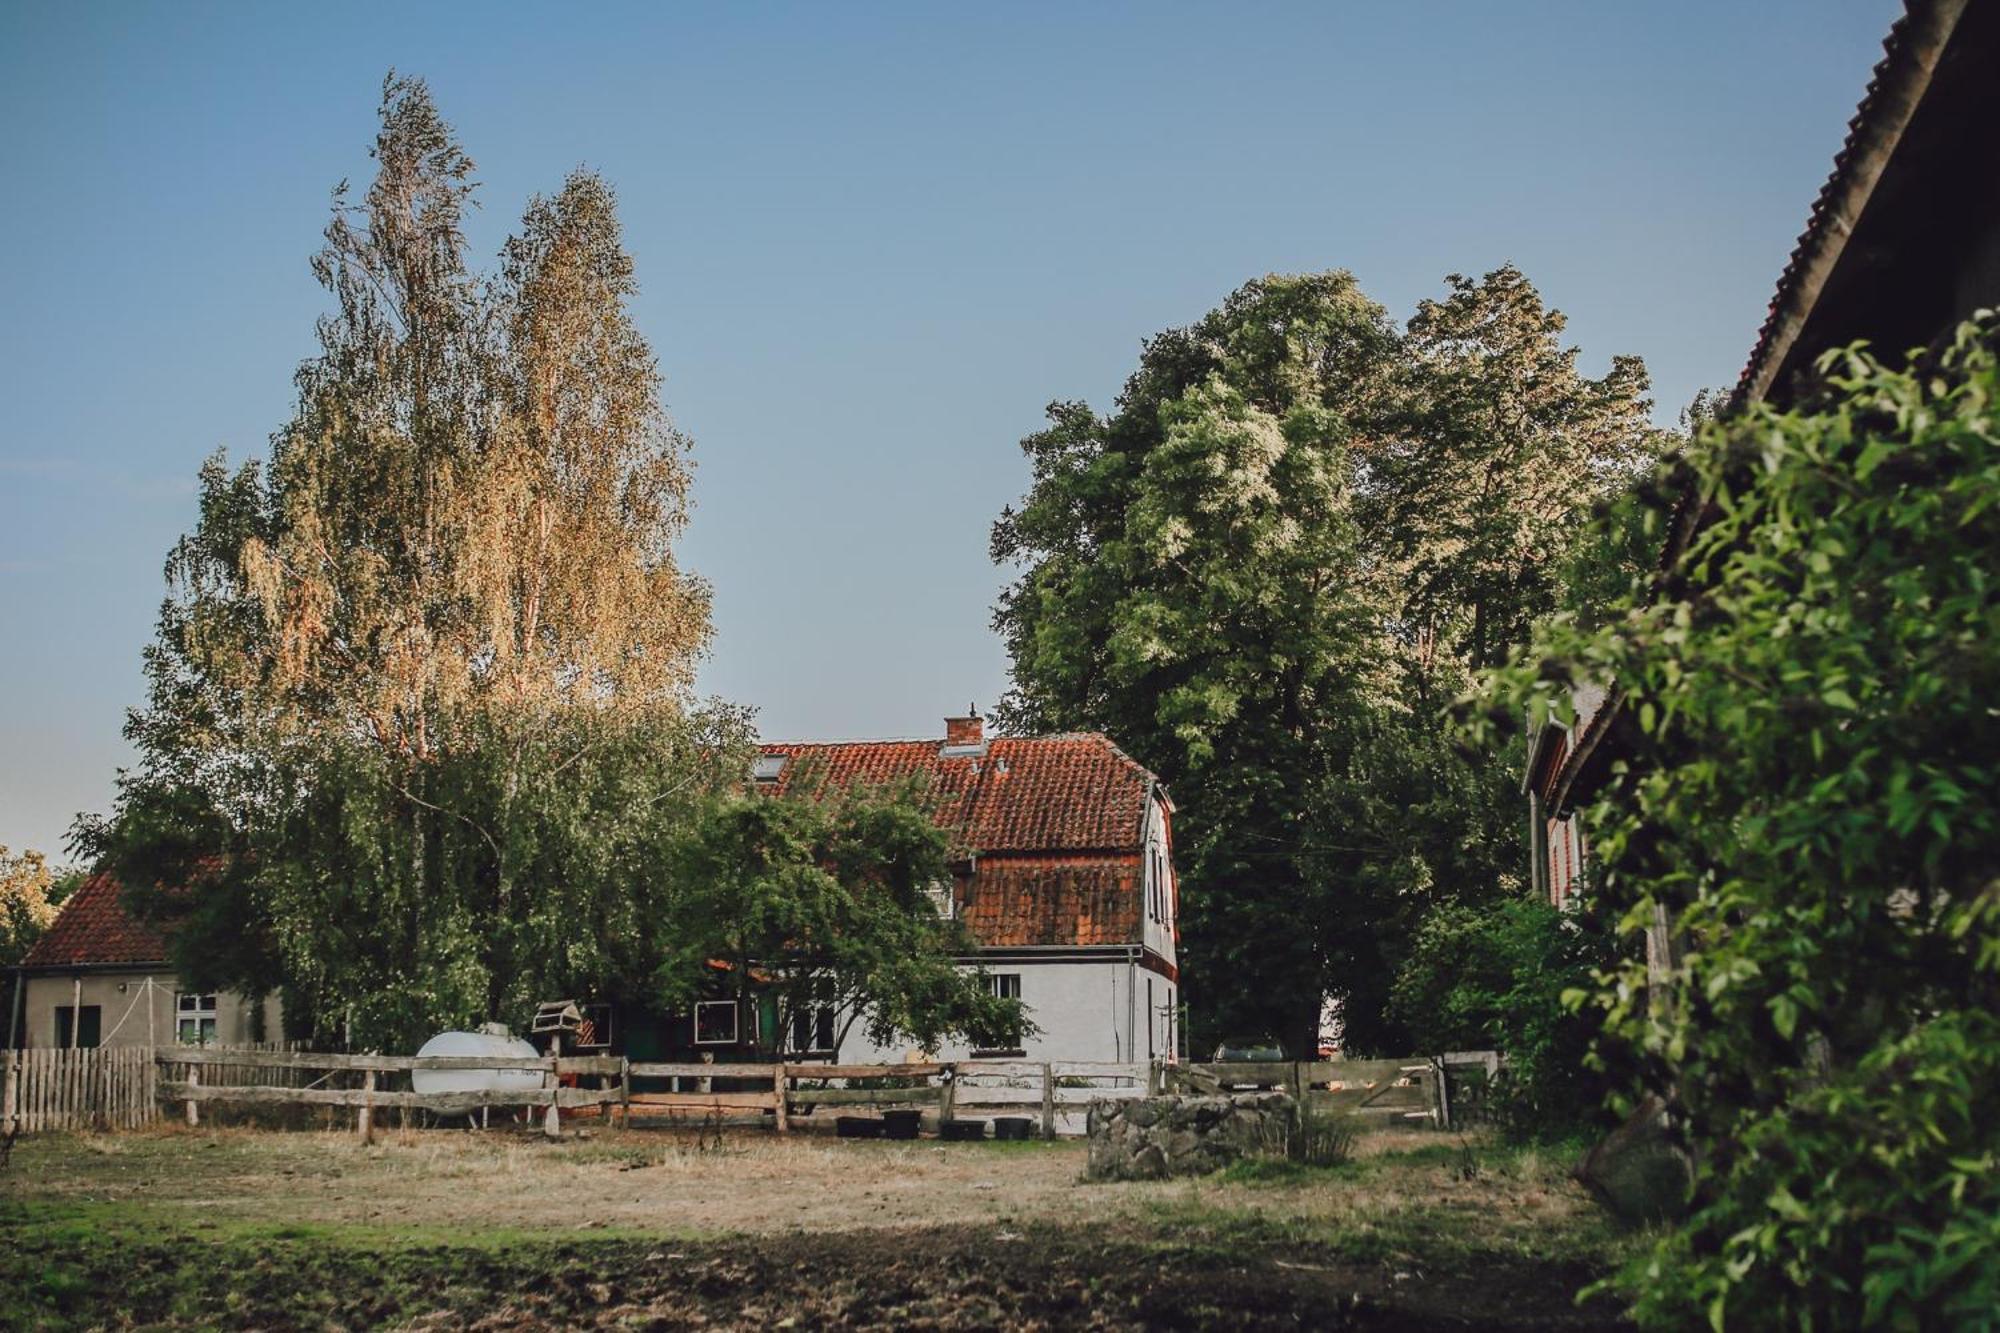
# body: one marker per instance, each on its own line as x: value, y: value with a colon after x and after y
x: 966, y: 731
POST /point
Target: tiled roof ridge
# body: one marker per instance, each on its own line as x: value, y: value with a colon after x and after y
x: 1070, y: 791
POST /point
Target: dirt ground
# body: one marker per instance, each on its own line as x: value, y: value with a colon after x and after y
x: 649, y: 1228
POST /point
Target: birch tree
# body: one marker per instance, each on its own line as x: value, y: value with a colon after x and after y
x: 453, y: 584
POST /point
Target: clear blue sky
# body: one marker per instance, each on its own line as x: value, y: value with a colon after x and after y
x: 874, y: 241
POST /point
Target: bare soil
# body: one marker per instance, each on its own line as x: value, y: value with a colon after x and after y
x: 244, y: 1228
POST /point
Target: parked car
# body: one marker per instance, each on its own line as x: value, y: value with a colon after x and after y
x: 1261, y: 1050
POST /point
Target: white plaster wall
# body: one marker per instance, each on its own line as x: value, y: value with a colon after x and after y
x: 1086, y: 1011
x: 123, y: 998
x: 1156, y: 859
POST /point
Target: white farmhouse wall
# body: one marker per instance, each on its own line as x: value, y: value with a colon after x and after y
x: 1096, y: 1011
x: 1162, y: 890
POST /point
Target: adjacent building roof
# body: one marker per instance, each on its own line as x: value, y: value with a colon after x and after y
x: 1048, y: 794
x: 94, y: 929
x: 1883, y: 256
x: 1900, y: 244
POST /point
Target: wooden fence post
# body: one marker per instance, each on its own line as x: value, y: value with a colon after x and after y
x: 1442, y: 1096
x: 193, y: 1107
x: 366, y: 1116
x: 778, y: 1096
x: 625, y: 1092
x: 552, y: 1122
x: 1048, y: 1100
x: 948, y: 1096
x: 10, y: 1093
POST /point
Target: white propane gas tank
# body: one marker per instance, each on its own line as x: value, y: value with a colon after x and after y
x: 477, y: 1080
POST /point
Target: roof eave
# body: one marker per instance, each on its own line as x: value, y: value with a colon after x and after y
x: 1916, y: 45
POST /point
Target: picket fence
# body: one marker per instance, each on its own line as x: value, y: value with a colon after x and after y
x: 43, y: 1089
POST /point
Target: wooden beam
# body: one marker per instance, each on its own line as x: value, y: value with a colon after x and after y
x: 329, y: 1060
x: 860, y: 1071
x: 758, y: 1073
x: 703, y: 1101
x: 866, y: 1096
x: 447, y: 1103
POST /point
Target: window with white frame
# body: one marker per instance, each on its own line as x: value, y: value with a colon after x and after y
x: 194, y: 1019
x: 715, y: 1023
x: 1004, y: 985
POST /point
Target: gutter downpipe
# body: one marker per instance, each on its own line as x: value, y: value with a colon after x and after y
x: 1132, y: 1000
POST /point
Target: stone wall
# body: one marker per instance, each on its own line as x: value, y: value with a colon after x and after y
x: 1151, y: 1138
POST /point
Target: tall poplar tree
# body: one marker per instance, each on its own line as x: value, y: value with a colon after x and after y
x: 419, y: 684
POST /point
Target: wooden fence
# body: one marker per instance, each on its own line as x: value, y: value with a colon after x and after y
x: 46, y: 1088
x: 124, y: 1088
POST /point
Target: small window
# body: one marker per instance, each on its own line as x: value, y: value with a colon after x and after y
x: 768, y: 768
x: 715, y: 1023
x: 87, y: 1034
x: 812, y: 1028
x: 1004, y: 986
x: 194, y: 1019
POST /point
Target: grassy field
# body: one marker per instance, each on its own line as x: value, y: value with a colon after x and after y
x: 652, y: 1229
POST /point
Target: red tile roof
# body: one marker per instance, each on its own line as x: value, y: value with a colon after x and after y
x: 94, y: 928
x: 1014, y: 902
x: 1056, y: 826
x: 1053, y: 794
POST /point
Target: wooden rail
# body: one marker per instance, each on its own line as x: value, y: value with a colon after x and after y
x: 123, y: 1088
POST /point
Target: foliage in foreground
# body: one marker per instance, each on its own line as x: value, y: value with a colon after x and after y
x: 1816, y: 798
x: 1493, y: 978
x: 828, y: 898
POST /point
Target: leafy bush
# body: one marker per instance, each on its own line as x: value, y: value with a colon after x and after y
x: 1813, y: 795
x: 1871, y: 1201
x: 1493, y: 978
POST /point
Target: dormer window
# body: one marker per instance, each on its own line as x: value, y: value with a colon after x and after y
x: 768, y: 768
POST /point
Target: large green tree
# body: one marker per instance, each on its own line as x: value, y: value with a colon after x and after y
x: 1271, y: 569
